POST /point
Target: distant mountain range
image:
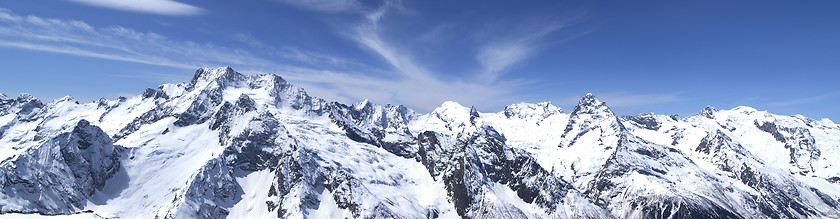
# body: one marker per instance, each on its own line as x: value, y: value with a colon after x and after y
x: 228, y: 145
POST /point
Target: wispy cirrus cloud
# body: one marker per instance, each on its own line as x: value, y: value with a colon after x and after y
x: 114, y: 43
x: 510, y: 45
x: 162, y: 7
x: 412, y: 82
x: 117, y: 43
x: 331, y: 6
x: 413, y: 85
x: 292, y: 53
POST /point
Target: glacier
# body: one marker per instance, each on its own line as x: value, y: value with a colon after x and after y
x: 230, y: 145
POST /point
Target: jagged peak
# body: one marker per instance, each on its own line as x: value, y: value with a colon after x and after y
x: 155, y: 93
x: 591, y: 105
x: 3, y: 96
x: 25, y: 97
x: 589, y: 99
x: 473, y: 114
x: 588, y: 108
x: 708, y: 112
x: 361, y: 105
x: 210, y: 74
x: 276, y: 78
x: 28, y: 102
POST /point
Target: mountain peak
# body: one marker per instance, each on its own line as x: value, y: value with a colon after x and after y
x: 589, y: 99
x: 708, y: 112
x: 591, y: 105
x: 361, y: 105
x: 453, y: 111
x: 451, y: 105
x: 28, y: 102
x: 210, y: 74
x: 233, y: 145
x: 25, y: 97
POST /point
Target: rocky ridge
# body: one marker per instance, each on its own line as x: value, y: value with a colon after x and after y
x: 231, y: 145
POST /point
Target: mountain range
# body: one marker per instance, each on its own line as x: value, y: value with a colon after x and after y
x: 230, y: 145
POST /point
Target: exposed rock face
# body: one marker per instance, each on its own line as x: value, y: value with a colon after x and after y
x: 59, y: 175
x: 475, y: 164
x: 211, y: 192
x: 647, y: 121
x: 383, y: 126
x: 228, y: 145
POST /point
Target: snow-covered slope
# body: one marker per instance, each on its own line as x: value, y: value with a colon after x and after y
x: 254, y: 146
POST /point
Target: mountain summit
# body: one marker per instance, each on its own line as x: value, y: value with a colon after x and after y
x: 229, y: 145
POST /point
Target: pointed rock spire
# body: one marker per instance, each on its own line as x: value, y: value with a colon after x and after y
x: 708, y: 112
x: 591, y: 105
x: 590, y: 113
x: 362, y: 105
x: 473, y: 114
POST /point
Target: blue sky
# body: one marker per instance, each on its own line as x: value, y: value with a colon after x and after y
x: 667, y: 57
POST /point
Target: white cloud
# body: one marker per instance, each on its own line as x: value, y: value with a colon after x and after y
x: 116, y: 43
x: 331, y: 6
x: 499, y: 57
x: 292, y: 53
x: 69, y: 50
x: 508, y: 45
x: 412, y: 86
x: 163, y: 7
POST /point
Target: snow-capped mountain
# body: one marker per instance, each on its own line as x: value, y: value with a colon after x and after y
x: 228, y: 145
